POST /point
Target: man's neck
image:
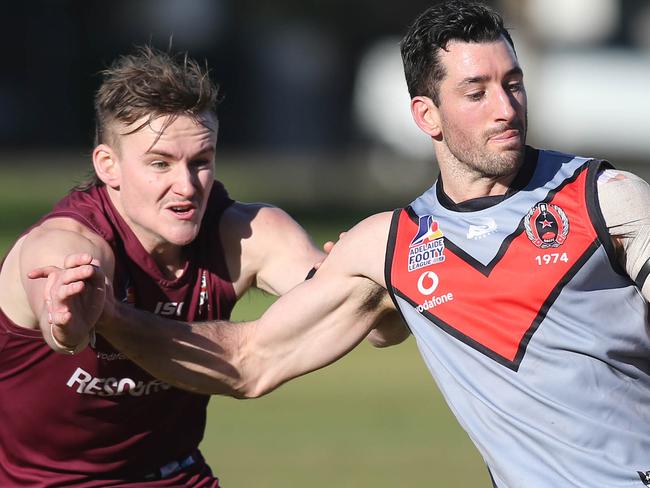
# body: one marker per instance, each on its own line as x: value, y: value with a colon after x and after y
x: 171, y: 262
x: 466, y: 193
x: 462, y: 182
x: 463, y: 185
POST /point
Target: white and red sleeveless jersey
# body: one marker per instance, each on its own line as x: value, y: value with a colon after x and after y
x: 537, y: 338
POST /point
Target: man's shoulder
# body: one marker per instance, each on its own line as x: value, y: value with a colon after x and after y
x: 256, y: 219
x: 65, y: 233
x: 378, y: 222
x: 373, y: 229
x: 242, y: 212
x: 617, y: 177
x: 623, y: 197
x: 265, y: 247
x: 90, y: 208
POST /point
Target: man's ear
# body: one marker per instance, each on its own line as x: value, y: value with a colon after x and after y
x: 106, y: 167
x: 426, y: 116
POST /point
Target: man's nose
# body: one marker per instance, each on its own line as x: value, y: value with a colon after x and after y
x: 505, y: 105
x: 184, y: 181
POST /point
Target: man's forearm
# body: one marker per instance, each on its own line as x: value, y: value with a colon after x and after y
x: 198, y: 357
x: 319, y: 321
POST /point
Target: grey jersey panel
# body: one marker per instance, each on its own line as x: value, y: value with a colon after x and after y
x: 469, y: 230
x: 577, y: 410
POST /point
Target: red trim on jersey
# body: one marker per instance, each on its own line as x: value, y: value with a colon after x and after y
x: 497, y: 310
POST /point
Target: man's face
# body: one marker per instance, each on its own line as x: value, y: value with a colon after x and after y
x: 483, y: 113
x: 164, y: 187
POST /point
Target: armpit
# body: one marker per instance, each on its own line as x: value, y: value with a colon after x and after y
x: 376, y: 297
x: 625, y: 205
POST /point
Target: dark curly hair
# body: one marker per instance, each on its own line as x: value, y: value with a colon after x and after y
x: 432, y: 30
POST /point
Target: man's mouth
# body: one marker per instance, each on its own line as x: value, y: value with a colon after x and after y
x: 505, y: 136
x: 183, y: 211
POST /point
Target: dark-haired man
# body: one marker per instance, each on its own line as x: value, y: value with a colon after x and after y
x: 170, y: 241
x: 522, y: 274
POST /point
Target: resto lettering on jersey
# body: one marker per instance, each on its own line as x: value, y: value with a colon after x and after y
x: 87, y: 384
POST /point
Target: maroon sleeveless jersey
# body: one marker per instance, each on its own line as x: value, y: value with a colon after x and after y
x: 96, y: 419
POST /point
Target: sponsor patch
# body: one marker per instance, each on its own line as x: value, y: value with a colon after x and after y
x: 546, y: 225
x: 427, y: 246
x: 428, y: 282
x: 434, y: 301
x: 85, y: 383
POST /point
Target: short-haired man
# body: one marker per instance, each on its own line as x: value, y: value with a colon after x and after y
x: 522, y: 274
x: 170, y: 241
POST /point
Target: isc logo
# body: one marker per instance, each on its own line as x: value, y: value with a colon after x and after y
x: 169, y: 308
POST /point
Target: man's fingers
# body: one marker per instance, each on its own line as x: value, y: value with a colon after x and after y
x: 327, y: 247
x: 73, y: 260
x: 71, y: 273
x: 65, y: 276
x: 43, y: 272
x: 64, y: 292
x: 79, y: 273
x: 60, y: 318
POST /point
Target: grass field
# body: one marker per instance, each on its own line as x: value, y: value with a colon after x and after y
x: 374, y: 419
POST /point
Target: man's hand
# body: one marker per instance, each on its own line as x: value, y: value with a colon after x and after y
x: 75, y: 296
x: 327, y: 247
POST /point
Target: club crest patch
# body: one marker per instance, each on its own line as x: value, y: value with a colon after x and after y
x: 546, y: 225
x: 427, y: 246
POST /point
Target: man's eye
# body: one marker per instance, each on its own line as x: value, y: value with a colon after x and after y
x: 515, y: 87
x: 475, y: 96
x: 159, y: 164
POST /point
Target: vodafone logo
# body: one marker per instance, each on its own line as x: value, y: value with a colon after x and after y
x: 428, y: 282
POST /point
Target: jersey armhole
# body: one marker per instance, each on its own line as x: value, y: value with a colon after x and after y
x: 642, y: 275
x: 596, y: 167
x: 388, y: 263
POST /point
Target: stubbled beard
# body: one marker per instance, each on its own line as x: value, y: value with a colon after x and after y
x: 488, y: 164
x: 478, y: 159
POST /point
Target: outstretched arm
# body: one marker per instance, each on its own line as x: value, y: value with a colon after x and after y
x: 299, y: 333
x: 317, y: 322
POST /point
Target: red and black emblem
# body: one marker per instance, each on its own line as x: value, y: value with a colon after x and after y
x: 546, y: 225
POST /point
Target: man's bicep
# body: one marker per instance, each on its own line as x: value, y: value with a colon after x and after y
x: 278, y: 253
x: 313, y: 325
x: 322, y: 319
x: 390, y: 331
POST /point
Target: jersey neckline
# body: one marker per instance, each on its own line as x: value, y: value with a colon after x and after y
x: 522, y: 179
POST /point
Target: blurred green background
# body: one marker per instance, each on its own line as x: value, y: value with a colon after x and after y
x: 316, y: 120
x: 375, y: 418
